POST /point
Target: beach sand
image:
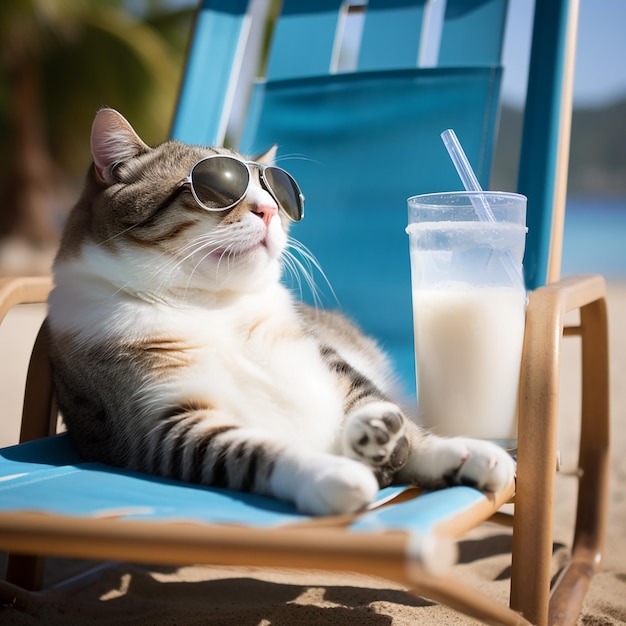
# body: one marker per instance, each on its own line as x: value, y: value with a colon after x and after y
x: 118, y: 594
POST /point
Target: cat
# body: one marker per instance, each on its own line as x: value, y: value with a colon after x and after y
x: 177, y: 351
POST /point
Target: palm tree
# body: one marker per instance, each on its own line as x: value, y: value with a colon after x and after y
x: 60, y: 60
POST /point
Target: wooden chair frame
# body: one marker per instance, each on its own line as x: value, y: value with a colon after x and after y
x: 329, y: 547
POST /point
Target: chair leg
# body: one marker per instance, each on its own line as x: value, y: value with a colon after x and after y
x: 39, y: 418
x: 591, y: 513
x: 12, y: 596
x: 40, y: 412
x: 534, y: 497
x: 25, y: 571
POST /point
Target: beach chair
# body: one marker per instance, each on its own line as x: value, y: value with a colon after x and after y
x: 359, y: 135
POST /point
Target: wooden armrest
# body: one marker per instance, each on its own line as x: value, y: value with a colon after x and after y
x: 23, y: 290
x: 537, y: 437
x: 39, y: 413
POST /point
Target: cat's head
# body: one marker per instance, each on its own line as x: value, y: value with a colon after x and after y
x: 144, y: 211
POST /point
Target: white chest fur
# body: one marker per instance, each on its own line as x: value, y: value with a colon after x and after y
x: 246, y: 356
x: 254, y: 360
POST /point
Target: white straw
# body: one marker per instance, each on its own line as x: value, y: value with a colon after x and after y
x: 479, y: 201
x: 466, y: 174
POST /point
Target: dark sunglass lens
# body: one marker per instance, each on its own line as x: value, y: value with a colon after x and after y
x: 219, y: 182
x: 286, y: 192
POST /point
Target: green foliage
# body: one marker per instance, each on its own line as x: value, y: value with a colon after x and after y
x: 86, y: 55
x: 598, y: 151
x: 597, y: 164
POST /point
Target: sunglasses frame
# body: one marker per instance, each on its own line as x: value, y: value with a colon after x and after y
x: 262, y: 167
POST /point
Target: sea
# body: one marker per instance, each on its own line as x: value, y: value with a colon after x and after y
x: 594, y: 238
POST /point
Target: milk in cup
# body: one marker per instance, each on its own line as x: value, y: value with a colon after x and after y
x: 469, y: 315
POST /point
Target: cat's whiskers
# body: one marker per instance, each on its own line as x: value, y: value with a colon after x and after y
x: 204, y: 256
x: 291, y: 265
x: 298, y: 269
x: 305, y: 263
x: 295, y: 157
x: 211, y: 241
x: 112, y: 237
x: 220, y: 239
x: 120, y: 288
x: 225, y: 253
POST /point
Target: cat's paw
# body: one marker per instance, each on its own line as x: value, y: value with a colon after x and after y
x: 488, y: 467
x: 375, y: 435
x: 339, y: 486
x: 462, y: 461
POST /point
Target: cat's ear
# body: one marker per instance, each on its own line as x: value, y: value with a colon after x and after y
x: 113, y: 140
x: 267, y: 157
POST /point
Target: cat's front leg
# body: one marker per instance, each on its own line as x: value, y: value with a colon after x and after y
x: 248, y: 459
x: 319, y: 483
x: 375, y: 435
x: 436, y: 462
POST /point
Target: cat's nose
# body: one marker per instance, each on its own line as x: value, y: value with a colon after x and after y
x: 263, y: 205
x: 266, y: 212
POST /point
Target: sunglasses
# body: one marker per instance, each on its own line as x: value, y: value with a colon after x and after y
x: 218, y: 182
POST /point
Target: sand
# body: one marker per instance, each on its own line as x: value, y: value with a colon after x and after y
x: 119, y: 594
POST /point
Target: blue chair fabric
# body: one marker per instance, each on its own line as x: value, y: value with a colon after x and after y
x: 30, y: 473
x: 374, y: 142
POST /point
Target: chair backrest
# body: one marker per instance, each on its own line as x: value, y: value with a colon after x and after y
x: 361, y: 135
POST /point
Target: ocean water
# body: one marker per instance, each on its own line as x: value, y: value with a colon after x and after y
x: 594, y: 239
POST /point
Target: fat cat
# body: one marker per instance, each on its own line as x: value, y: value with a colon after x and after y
x: 177, y: 351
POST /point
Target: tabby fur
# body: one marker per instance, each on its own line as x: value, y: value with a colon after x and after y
x: 177, y: 351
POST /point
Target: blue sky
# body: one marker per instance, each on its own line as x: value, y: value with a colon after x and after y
x: 600, y: 74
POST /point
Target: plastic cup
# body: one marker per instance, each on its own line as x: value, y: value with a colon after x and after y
x: 469, y: 312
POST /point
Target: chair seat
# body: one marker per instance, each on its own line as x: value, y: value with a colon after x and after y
x: 47, y: 476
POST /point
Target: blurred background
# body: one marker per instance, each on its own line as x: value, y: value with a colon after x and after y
x: 595, y: 221
x: 61, y: 60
